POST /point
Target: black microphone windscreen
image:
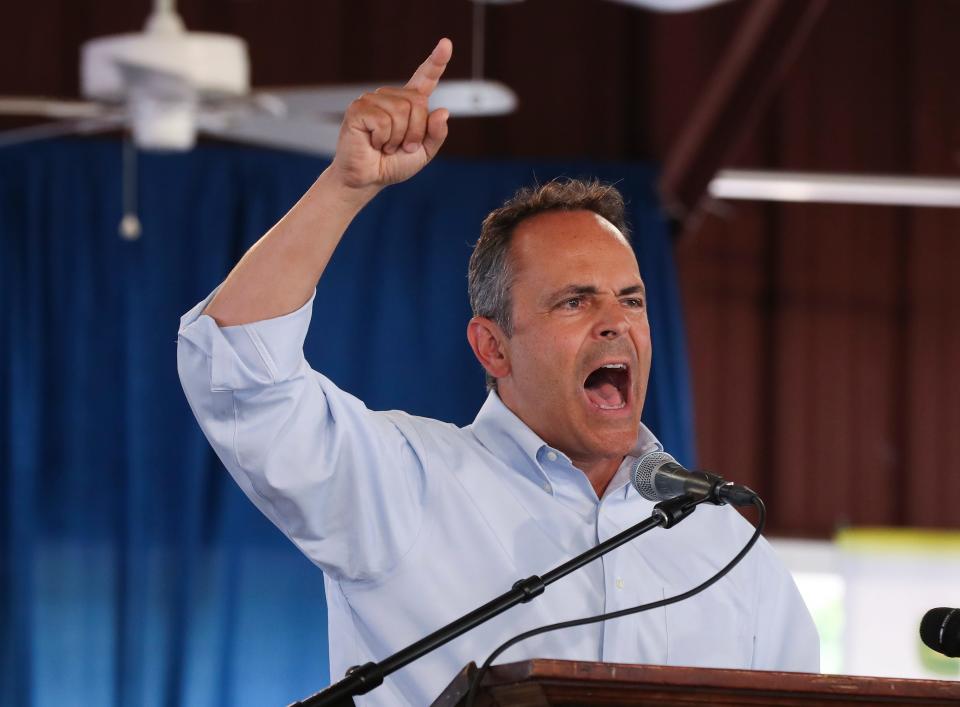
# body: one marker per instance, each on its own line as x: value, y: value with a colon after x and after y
x: 940, y: 630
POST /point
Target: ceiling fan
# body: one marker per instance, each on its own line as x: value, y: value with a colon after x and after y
x: 167, y: 84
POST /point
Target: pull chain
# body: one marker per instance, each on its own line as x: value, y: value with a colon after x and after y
x: 130, y: 228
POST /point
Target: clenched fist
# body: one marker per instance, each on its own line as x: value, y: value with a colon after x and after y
x: 389, y: 135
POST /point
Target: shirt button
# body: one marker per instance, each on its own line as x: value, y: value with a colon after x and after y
x: 547, y: 488
x: 619, y: 583
x: 552, y: 456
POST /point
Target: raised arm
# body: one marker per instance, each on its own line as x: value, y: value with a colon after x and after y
x: 386, y: 137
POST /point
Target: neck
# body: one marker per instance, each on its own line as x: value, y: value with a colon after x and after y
x: 599, y: 472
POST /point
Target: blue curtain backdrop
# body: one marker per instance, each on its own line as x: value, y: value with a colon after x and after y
x: 132, y: 571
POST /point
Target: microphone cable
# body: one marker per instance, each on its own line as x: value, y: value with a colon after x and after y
x: 761, y: 521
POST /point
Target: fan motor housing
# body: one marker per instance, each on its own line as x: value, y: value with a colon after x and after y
x: 213, y: 65
x: 164, y: 77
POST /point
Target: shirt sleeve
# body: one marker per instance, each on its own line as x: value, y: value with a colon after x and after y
x: 786, y: 637
x: 344, y: 483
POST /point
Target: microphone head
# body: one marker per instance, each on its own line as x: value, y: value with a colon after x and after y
x: 940, y: 630
x: 644, y: 470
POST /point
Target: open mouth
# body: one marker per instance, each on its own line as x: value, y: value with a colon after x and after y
x: 608, y: 387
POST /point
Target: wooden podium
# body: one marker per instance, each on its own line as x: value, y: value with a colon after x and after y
x: 563, y: 682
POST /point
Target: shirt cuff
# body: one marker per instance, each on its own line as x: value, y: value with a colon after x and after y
x: 248, y: 355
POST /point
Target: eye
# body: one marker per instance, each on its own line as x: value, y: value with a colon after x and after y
x: 572, y: 303
x: 634, y: 302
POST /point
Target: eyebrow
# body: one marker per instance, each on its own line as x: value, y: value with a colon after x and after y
x: 571, y: 290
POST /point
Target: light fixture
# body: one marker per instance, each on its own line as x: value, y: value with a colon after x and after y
x: 805, y: 187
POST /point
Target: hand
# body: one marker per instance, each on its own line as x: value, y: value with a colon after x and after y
x: 388, y: 136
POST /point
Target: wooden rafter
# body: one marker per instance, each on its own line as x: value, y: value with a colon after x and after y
x: 765, y: 45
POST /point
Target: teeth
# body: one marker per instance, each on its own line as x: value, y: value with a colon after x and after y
x: 614, y: 365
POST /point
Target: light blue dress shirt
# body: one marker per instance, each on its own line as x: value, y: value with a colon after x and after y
x: 416, y: 522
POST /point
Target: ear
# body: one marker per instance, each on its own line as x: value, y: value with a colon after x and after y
x: 489, y: 346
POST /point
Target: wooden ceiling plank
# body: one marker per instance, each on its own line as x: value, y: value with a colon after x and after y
x: 768, y: 41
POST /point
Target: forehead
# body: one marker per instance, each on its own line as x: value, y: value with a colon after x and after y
x: 561, y: 247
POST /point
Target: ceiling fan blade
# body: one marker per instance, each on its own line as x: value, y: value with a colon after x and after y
x: 463, y: 98
x: 52, y: 108
x: 81, y: 126
x: 300, y: 135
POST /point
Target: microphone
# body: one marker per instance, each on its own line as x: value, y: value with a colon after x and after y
x: 657, y: 477
x: 940, y: 630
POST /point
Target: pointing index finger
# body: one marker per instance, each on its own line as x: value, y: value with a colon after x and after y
x: 425, y: 78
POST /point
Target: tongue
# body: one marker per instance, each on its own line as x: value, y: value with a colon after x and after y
x: 605, y: 394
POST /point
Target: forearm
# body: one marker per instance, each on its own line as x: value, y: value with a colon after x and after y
x: 281, y: 270
x: 387, y: 136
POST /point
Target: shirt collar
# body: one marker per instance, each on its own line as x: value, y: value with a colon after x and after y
x: 509, y: 439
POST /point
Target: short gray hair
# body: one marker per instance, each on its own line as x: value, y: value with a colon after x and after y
x: 490, y: 273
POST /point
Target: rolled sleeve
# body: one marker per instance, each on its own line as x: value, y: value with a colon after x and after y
x: 309, y: 455
x: 248, y: 355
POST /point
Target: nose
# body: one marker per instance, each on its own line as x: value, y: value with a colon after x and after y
x: 612, y: 321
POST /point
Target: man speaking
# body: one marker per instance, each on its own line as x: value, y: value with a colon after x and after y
x: 416, y: 522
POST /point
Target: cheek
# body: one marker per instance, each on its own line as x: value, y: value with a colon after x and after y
x: 641, y: 337
x: 644, y: 348
x: 547, y: 364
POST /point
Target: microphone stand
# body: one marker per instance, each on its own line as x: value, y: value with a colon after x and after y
x: 361, y: 679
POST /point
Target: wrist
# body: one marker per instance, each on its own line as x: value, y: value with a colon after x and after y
x: 355, y: 197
